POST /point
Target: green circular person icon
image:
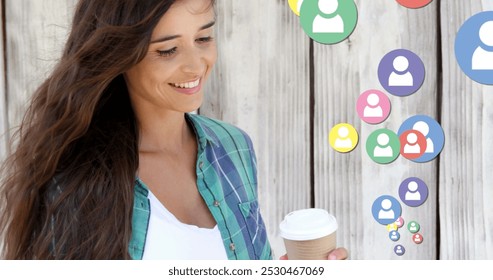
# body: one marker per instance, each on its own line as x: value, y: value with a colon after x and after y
x: 383, y: 146
x: 413, y: 226
x: 328, y: 21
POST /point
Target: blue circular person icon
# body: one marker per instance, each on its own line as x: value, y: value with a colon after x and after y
x: 401, y: 72
x: 474, y: 48
x: 399, y: 250
x: 431, y: 130
x: 386, y: 209
x: 394, y: 235
x: 413, y: 192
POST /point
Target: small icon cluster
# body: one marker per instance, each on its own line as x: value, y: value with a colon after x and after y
x: 387, y: 211
x: 413, y: 228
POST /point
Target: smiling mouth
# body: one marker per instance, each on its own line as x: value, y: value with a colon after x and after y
x: 192, y: 84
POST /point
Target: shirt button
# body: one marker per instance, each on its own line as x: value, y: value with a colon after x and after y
x: 232, y: 246
x: 216, y: 203
x: 201, y: 164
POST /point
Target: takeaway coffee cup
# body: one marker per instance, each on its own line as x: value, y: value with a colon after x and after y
x: 309, y: 234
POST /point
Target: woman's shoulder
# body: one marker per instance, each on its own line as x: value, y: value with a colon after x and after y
x: 220, y: 130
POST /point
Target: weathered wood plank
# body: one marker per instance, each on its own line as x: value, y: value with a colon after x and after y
x: 3, y: 97
x: 466, y: 180
x: 347, y: 184
x: 36, y: 33
x: 261, y: 84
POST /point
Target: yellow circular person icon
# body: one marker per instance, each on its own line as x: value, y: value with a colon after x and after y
x: 295, y: 6
x: 343, y: 137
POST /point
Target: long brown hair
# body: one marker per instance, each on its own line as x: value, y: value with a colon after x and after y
x: 67, y: 189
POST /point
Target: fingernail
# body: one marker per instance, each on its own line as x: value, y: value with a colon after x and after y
x: 332, y: 257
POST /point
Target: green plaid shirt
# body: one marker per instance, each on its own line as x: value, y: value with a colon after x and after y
x: 227, y: 180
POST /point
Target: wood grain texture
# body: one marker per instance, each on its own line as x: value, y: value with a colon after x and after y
x: 36, y: 33
x: 466, y: 177
x: 3, y: 97
x: 261, y: 84
x: 348, y: 184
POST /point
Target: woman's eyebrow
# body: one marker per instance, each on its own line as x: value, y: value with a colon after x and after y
x: 171, y: 37
x: 210, y: 24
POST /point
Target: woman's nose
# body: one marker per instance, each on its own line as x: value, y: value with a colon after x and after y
x: 193, y: 63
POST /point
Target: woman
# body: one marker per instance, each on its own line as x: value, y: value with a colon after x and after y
x: 110, y: 166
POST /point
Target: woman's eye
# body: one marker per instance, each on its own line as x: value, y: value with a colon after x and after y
x: 167, y: 53
x: 205, y: 39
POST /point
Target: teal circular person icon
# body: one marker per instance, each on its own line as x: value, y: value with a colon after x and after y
x: 474, y: 47
x: 386, y: 209
x: 413, y: 227
x: 383, y: 146
x: 328, y: 21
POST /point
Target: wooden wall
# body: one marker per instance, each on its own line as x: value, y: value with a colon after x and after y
x: 3, y: 96
x: 347, y: 184
x: 36, y: 33
x: 466, y: 164
x: 287, y: 92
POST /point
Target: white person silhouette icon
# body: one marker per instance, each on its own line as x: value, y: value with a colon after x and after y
x: 401, y: 76
x: 483, y: 59
x: 328, y: 21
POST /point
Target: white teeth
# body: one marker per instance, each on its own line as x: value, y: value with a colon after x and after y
x: 188, y: 85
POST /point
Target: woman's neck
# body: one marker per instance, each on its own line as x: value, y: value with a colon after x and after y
x: 164, y: 132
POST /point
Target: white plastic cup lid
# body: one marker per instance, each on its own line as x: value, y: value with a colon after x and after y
x: 307, y: 224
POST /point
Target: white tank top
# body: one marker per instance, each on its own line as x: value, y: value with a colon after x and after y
x: 169, y: 239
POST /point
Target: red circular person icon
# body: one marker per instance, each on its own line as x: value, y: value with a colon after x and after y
x: 413, y: 144
x: 417, y: 238
x: 414, y: 4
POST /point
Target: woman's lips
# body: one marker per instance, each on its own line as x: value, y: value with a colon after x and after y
x: 188, y: 87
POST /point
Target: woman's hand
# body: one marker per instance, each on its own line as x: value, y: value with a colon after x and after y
x: 336, y: 254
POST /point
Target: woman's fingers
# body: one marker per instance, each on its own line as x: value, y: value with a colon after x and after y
x: 338, y: 254
x: 284, y: 257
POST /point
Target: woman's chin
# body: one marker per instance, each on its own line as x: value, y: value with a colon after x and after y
x: 192, y: 105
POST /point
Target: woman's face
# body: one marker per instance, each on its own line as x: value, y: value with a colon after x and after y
x: 179, y: 60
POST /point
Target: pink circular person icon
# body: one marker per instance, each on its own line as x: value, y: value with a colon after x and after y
x: 373, y: 106
x: 399, y: 222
